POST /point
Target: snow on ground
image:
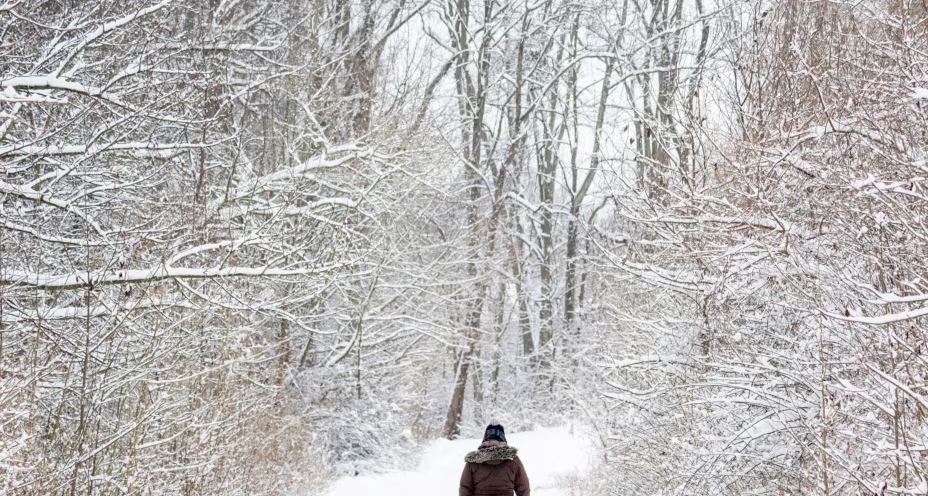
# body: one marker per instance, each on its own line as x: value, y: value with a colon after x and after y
x: 549, y: 456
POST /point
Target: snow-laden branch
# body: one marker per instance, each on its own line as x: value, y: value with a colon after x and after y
x: 76, y: 280
x: 244, y: 200
x: 883, y: 319
x: 234, y: 243
x: 232, y: 47
x: 330, y: 159
x: 859, y: 129
x: 343, y: 155
x: 14, y: 316
x: 140, y: 148
x: 778, y: 225
x: 13, y: 226
x: 12, y: 86
x: 10, y: 95
x: 922, y: 400
x: 33, y: 195
x: 100, y: 31
x: 887, y: 298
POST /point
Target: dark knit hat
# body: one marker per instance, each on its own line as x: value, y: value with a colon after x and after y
x: 495, y: 431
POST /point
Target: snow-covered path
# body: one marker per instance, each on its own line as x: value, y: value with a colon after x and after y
x: 550, y: 456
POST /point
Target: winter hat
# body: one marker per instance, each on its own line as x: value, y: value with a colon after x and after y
x: 495, y: 431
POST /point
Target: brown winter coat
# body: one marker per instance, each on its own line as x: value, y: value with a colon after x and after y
x: 494, y: 471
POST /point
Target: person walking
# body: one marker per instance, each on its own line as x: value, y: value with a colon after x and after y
x: 494, y: 469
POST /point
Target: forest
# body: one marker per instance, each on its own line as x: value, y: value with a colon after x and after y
x: 249, y: 245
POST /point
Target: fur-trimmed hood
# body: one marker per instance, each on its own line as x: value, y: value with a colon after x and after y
x: 491, y: 454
